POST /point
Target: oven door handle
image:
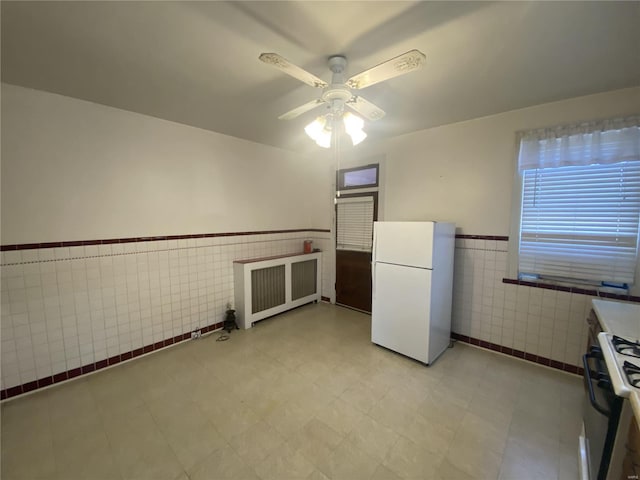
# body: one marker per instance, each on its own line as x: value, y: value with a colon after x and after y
x: 592, y: 395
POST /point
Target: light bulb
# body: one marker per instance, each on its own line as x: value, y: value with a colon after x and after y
x: 324, y: 138
x: 315, y: 127
x: 357, y: 136
x: 352, y: 122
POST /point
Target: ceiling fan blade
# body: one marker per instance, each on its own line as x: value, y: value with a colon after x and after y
x: 290, y: 69
x: 405, y: 63
x: 301, y: 109
x: 366, y: 108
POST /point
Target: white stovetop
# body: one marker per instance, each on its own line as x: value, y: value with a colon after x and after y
x: 614, y: 361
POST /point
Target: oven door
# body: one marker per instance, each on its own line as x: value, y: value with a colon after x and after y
x: 601, y: 413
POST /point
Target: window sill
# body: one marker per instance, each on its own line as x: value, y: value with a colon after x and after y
x: 577, y: 290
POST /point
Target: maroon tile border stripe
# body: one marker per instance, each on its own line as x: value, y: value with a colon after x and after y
x: 107, y: 241
x: 78, y: 243
x: 76, y: 372
x: 501, y: 238
x: 325, y: 299
x: 581, y: 291
x: 566, y: 367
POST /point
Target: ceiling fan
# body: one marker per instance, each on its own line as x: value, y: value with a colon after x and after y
x: 338, y: 94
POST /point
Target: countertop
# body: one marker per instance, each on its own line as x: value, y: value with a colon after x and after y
x: 619, y: 318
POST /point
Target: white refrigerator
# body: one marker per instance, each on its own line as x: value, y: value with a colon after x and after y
x: 412, y: 269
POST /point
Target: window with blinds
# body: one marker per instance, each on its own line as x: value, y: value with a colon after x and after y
x: 354, y: 223
x: 581, y: 222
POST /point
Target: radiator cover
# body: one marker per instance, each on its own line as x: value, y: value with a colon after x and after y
x: 268, y: 286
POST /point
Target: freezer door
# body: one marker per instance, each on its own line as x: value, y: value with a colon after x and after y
x: 403, y: 243
x: 400, y: 309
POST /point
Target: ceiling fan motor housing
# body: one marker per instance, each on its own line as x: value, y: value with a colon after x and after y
x: 337, y: 93
x: 337, y: 63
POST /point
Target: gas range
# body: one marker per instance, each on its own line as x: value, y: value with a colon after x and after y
x: 612, y: 388
x: 625, y: 347
x: 622, y: 357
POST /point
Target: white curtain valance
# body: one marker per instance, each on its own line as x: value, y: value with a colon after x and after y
x: 602, y: 142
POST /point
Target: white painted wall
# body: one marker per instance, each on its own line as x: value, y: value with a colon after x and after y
x: 75, y: 170
x: 463, y: 172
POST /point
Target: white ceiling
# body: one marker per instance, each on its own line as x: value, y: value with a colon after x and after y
x: 197, y: 62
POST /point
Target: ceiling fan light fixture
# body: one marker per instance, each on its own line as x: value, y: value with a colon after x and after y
x: 315, y: 127
x: 353, y: 126
x: 318, y: 132
x: 337, y: 94
x: 352, y: 122
x: 357, y: 136
x: 324, y: 139
x: 320, y: 129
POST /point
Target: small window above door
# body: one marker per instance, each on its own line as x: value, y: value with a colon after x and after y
x: 358, y: 177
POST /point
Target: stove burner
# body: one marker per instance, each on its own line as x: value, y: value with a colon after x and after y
x: 633, y: 373
x: 626, y: 347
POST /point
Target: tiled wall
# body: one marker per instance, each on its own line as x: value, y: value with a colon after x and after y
x: 540, y: 322
x: 64, y: 308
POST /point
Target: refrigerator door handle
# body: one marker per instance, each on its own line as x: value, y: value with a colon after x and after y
x: 373, y: 250
x: 373, y: 280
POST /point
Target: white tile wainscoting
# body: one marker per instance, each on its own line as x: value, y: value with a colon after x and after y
x: 66, y: 308
x: 69, y: 307
x: 539, y: 322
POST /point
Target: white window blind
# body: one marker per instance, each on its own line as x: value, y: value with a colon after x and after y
x: 354, y: 223
x: 581, y: 222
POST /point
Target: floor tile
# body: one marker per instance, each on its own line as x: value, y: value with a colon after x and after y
x: 447, y: 471
x: 383, y: 473
x: 316, y: 441
x: 340, y: 415
x: 361, y: 396
x: 257, y: 443
x: 473, y: 459
x: 223, y: 464
x: 284, y: 463
x: 348, y: 462
x: 230, y: 420
x: 433, y: 435
x: 408, y: 460
x: 317, y: 475
x: 301, y: 395
x: 435, y: 406
x: 289, y: 418
x: 192, y: 442
x: 18, y: 458
x: 491, y: 436
x: 88, y: 456
x: 372, y: 437
x: 495, y: 409
x: 139, y: 448
x: 529, y: 460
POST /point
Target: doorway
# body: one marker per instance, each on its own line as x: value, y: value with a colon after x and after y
x: 355, y: 214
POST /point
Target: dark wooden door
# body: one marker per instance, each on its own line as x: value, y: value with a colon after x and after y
x: 353, y: 279
x: 355, y: 214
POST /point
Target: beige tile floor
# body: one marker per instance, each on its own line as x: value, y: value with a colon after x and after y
x: 302, y: 395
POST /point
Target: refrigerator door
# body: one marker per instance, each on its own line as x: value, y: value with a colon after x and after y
x: 401, y: 309
x: 404, y: 243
